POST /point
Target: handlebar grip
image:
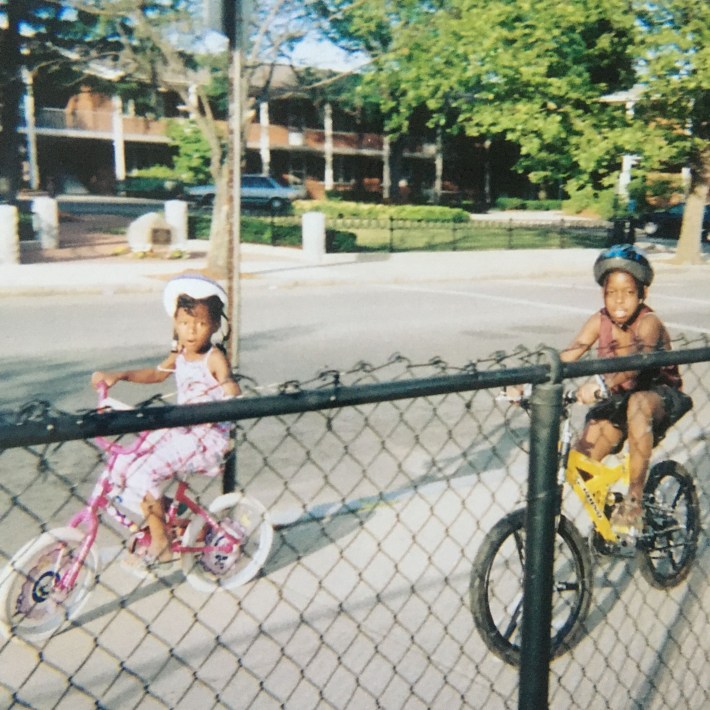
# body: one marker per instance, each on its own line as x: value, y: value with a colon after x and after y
x: 604, y: 391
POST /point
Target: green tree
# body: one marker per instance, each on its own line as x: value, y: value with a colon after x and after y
x: 674, y: 65
x: 537, y: 74
x: 526, y: 72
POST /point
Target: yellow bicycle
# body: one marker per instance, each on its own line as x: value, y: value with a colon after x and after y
x: 665, y: 548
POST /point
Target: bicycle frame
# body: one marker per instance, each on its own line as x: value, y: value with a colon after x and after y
x: 89, y: 515
x: 590, y: 480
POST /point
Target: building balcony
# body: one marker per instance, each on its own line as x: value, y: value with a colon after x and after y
x: 72, y: 123
x: 97, y: 124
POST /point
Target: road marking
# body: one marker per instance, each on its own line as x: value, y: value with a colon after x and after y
x: 489, y: 297
x: 538, y: 304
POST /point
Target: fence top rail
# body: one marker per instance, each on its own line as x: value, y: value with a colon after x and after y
x: 53, y: 426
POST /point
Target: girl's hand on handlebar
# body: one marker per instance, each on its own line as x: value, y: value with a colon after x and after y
x: 107, y: 378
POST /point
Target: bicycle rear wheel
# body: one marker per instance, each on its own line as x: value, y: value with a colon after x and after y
x: 242, y: 518
x: 32, y: 605
x: 669, y: 542
x: 497, y: 579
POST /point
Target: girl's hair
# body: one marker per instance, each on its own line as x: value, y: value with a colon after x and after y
x: 213, y: 304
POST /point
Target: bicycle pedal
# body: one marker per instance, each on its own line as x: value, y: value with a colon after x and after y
x: 626, y: 547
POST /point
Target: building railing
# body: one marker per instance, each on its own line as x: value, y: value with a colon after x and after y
x: 58, y: 121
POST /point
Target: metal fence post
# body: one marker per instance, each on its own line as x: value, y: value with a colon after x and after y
x: 539, y: 547
x: 229, y: 475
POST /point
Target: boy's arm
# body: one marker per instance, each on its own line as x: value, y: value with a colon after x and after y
x: 220, y: 369
x: 582, y: 342
x: 587, y: 336
x: 143, y: 376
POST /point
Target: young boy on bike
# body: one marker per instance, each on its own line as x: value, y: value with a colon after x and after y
x: 642, y: 404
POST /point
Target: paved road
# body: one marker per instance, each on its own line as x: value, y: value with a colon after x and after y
x: 341, y: 568
x: 288, y: 331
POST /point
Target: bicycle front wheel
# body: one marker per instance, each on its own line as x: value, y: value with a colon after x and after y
x: 245, y: 525
x: 33, y: 605
x: 497, y: 580
x: 669, y: 542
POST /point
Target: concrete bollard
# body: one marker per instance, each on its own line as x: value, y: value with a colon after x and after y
x: 9, y: 235
x: 176, y: 217
x: 313, y: 236
x: 45, y: 220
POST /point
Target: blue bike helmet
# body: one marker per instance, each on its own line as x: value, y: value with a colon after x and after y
x: 623, y: 257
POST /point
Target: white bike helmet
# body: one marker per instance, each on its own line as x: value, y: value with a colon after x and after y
x: 623, y: 257
x: 193, y: 285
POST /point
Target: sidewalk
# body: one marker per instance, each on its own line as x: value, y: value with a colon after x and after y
x: 90, y: 264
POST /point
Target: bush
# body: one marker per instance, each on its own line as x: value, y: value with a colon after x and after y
x: 335, y: 209
x: 509, y: 203
x: 198, y: 225
x: 518, y: 203
x: 602, y: 202
x: 154, y: 187
x: 337, y: 241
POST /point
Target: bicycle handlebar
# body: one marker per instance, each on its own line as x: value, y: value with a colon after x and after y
x: 107, y: 403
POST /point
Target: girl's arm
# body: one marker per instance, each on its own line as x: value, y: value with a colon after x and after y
x: 222, y: 372
x: 144, y: 376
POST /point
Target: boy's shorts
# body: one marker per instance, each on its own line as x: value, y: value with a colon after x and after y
x: 675, y: 405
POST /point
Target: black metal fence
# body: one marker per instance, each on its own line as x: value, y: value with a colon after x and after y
x: 383, y: 483
x: 355, y: 234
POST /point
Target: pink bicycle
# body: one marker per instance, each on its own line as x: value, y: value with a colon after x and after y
x: 48, y: 581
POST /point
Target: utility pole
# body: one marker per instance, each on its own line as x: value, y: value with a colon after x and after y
x: 237, y: 43
x: 231, y: 17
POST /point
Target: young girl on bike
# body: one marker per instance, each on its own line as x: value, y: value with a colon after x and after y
x: 196, y: 305
x: 643, y: 404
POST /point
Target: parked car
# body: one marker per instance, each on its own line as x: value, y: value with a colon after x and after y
x: 257, y: 191
x: 666, y: 223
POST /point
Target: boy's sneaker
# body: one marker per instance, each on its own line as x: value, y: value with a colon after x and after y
x: 627, y: 517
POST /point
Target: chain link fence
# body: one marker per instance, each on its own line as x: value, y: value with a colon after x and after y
x: 382, y: 483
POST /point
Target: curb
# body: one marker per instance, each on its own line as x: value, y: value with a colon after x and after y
x: 285, y: 266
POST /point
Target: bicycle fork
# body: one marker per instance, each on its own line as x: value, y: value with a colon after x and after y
x: 88, y: 517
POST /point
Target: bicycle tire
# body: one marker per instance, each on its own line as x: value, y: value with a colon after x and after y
x: 496, y: 589
x: 30, y: 606
x: 669, y: 543
x: 245, y: 517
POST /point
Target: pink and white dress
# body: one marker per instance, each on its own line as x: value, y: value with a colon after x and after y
x: 197, y: 449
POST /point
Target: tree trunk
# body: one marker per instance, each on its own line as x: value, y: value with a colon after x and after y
x: 217, y: 254
x: 689, y: 251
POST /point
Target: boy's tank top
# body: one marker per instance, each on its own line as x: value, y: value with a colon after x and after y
x: 608, y: 346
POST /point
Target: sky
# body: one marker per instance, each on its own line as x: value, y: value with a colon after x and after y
x: 323, y: 54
